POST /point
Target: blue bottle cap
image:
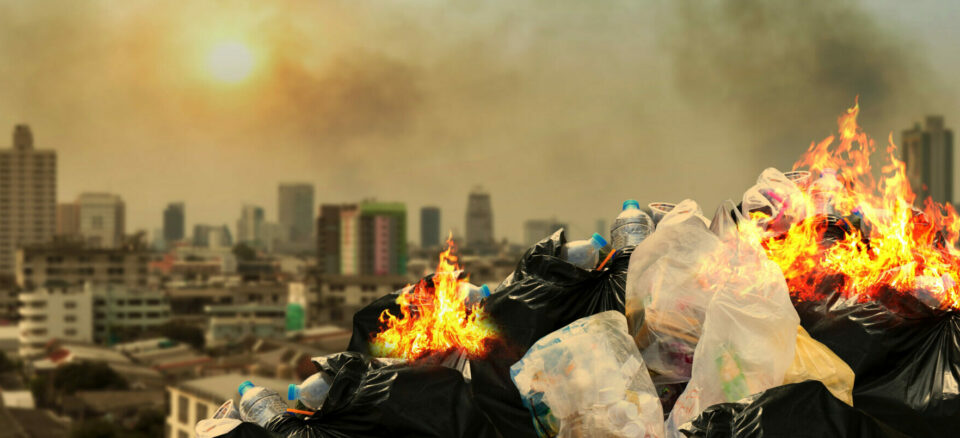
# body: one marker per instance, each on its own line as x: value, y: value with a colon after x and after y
x: 244, y: 387
x: 293, y: 392
x: 598, y: 241
x: 631, y: 203
x: 485, y: 291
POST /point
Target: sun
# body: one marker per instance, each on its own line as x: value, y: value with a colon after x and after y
x: 230, y: 61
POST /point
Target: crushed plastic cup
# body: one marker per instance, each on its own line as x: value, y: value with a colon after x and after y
x: 227, y: 410
x: 799, y: 177
x: 660, y: 209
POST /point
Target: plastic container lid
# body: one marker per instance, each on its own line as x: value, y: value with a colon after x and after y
x: 293, y: 392
x: 244, y: 387
x: 485, y: 290
x: 598, y: 241
x: 631, y: 203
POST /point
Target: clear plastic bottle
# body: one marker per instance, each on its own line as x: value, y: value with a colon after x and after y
x: 475, y: 294
x: 631, y: 226
x: 312, y: 392
x: 584, y: 253
x: 824, y: 192
x: 258, y: 404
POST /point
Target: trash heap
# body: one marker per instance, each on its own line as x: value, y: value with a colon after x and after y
x: 821, y: 304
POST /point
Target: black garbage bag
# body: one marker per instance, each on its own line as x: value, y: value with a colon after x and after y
x: 905, y: 354
x: 805, y: 409
x: 373, y: 398
x: 543, y: 294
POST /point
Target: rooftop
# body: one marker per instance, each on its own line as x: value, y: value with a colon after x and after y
x: 107, y: 401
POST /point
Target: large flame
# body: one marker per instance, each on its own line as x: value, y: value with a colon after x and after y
x: 437, y: 319
x: 898, y: 246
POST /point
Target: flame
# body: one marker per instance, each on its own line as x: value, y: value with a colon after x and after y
x: 436, y: 319
x: 898, y: 246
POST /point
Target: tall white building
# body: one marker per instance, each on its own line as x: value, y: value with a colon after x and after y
x: 47, y: 314
x: 102, y: 219
x: 250, y: 225
x: 28, y: 196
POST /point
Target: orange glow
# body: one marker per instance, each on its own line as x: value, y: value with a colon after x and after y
x: 435, y: 319
x: 901, y: 248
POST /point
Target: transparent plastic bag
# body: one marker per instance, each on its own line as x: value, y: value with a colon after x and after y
x: 777, y: 199
x: 815, y: 361
x: 749, y: 332
x: 588, y: 379
x: 665, y: 301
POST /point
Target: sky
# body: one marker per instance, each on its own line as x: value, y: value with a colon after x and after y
x: 557, y: 108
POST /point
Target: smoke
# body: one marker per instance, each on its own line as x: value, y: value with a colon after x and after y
x: 561, y: 108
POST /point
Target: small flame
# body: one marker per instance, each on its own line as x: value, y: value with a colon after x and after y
x: 436, y: 319
x: 899, y: 247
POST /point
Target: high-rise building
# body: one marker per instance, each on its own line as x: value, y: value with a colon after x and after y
x: 250, y: 225
x: 102, y: 219
x: 28, y: 196
x: 174, y: 222
x: 295, y: 211
x: 349, y: 240
x: 535, y: 230
x: 383, y: 238
x: 201, y: 235
x: 929, y: 159
x: 429, y: 227
x: 328, y: 239
x: 479, y: 221
x: 68, y: 219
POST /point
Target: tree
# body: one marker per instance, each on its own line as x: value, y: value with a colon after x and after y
x: 244, y: 252
x: 6, y: 364
x: 190, y: 335
x: 98, y: 428
x: 83, y: 376
x: 149, y: 424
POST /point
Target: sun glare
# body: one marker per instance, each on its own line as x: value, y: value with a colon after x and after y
x: 230, y: 62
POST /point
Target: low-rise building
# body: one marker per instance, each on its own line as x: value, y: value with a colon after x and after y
x: 121, y: 312
x: 195, y: 400
x: 234, y: 322
x: 71, y: 264
x: 54, y: 314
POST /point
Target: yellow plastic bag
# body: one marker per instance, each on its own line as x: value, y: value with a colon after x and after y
x: 814, y: 361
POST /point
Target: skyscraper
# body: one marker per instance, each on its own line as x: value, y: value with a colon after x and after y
x: 249, y: 225
x: 28, y: 196
x: 928, y: 156
x: 479, y: 221
x: 328, y: 239
x: 68, y: 219
x: 295, y: 211
x: 102, y: 219
x: 383, y: 238
x: 429, y: 227
x: 174, y: 222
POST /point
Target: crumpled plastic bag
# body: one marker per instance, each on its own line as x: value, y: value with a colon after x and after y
x: 588, y: 379
x: 778, y: 200
x: 749, y: 331
x: 815, y: 361
x: 665, y: 300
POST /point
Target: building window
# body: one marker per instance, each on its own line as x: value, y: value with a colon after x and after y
x: 70, y: 318
x: 69, y: 304
x: 182, y: 434
x: 201, y: 411
x: 183, y: 410
x: 135, y: 302
x: 70, y: 332
x: 97, y: 222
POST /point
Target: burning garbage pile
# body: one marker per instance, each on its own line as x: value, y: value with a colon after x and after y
x: 824, y: 303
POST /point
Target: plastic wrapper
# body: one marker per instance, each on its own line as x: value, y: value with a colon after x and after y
x: 375, y: 398
x: 905, y: 353
x: 588, y: 379
x: 542, y: 295
x: 749, y: 332
x: 665, y: 300
x: 814, y: 361
x: 804, y: 409
x: 779, y: 201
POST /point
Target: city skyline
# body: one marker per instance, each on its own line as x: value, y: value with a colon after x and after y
x: 155, y: 123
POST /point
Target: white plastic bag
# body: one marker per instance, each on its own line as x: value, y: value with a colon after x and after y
x: 665, y: 301
x: 588, y: 379
x: 777, y: 199
x: 749, y: 333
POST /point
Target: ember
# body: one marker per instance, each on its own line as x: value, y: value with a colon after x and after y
x: 435, y: 319
x: 895, y: 245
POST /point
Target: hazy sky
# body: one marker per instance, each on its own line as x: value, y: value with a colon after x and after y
x: 558, y: 108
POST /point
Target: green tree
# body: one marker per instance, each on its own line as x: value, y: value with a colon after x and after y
x: 149, y: 424
x: 6, y: 364
x: 98, y: 428
x: 190, y: 335
x: 244, y: 252
x: 83, y: 376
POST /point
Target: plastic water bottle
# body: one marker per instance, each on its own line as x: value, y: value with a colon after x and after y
x: 824, y: 191
x: 312, y: 392
x: 631, y: 226
x: 584, y: 253
x: 476, y: 294
x: 258, y: 404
